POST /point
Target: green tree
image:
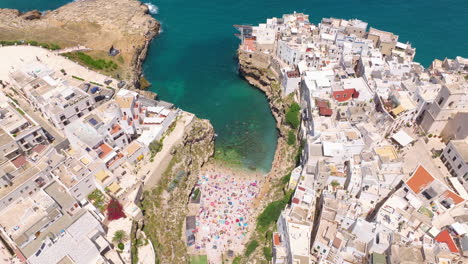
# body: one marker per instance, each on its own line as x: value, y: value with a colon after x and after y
x: 119, y: 236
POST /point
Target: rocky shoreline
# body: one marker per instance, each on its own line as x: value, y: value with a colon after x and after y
x: 258, y: 73
x: 96, y: 24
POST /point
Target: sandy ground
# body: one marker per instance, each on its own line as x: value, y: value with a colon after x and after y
x: 16, y: 57
x: 225, y: 215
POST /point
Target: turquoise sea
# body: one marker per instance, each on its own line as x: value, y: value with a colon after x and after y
x: 192, y: 63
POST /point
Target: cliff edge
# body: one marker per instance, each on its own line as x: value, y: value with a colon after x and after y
x: 96, y: 24
x: 166, y: 206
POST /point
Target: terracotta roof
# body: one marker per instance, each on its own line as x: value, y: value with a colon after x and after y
x: 276, y: 239
x: 19, y: 161
x: 324, y: 111
x: 114, y: 160
x: 445, y: 237
x: 39, y: 148
x: 249, y: 44
x: 295, y: 200
x: 456, y: 199
x: 105, y: 149
x: 420, y: 179
x: 321, y: 103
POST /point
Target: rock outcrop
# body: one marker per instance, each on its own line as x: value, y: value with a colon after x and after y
x: 260, y: 76
x: 31, y: 15
x: 166, y: 206
x: 96, y: 24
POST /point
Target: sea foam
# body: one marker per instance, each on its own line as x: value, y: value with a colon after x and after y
x: 153, y: 9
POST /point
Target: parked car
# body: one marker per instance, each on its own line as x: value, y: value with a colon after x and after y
x: 94, y: 89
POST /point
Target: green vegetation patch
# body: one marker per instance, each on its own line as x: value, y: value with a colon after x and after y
x: 98, y: 199
x: 251, y: 247
x: 285, y: 179
x: 95, y: 83
x: 78, y: 78
x: 267, y: 253
x: 121, y: 246
x: 292, y: 115
x: 291, y: 138
x: 155, y: 147
x: 20, y: 111
x: 97, y: 64
x: 200, y: 259
x: 49, y: 46
x: 271, y: 213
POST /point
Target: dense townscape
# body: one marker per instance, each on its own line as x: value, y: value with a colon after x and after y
x: 94, y: 169
x: 74, y: 157
x: 383, y: 177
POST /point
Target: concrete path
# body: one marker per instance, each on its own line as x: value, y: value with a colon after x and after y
x: 72, y: 49
x: 163, y: 158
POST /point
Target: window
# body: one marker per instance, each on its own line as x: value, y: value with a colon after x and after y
x: 459, y: 166
x: 449, y: 150
x: 344, y: 95
x: 450, y: 104
x: 454, y: 158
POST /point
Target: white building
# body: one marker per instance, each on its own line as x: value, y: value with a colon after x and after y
x: 455, y: 158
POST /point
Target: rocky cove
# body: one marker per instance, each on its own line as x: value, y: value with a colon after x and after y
x: 99, y: 26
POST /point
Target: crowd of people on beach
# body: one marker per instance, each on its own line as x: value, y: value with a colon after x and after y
x: 224, y: 213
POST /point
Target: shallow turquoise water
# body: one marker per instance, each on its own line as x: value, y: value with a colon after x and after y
x: 192, y: 63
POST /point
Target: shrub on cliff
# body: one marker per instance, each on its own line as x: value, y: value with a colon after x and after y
x: 97, y: 64
x: 292, y: 115
x: 251, y: 247
x: 272, y: 212
x: 291, y: 138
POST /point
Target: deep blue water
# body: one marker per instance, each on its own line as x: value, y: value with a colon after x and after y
x: 192, y: 63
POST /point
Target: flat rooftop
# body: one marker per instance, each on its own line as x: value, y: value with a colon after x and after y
x: 386, y: 152
x: 26, y: 212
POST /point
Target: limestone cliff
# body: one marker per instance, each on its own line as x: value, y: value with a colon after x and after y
x: 166, y: 206
x: 96, y: 24
x: 257, y: 70
x: 259, y: 75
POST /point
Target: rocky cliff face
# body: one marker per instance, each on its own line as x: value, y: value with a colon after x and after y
x: 96, y: 24
x: 256, y: 69
x: 265, y: 80
x: 166, y: 206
